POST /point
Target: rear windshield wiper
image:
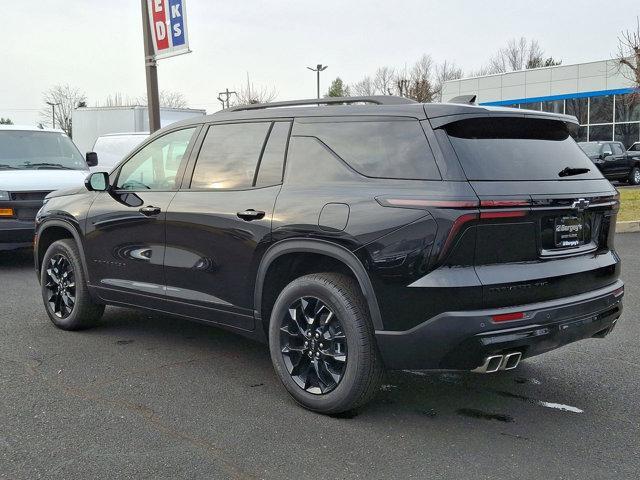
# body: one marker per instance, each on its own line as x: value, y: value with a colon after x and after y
x: 46, y: 164
x: 568, y: 171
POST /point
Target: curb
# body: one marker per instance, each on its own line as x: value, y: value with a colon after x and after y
x: 628, y: 227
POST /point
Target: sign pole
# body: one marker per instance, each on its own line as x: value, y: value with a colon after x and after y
x: 153, y: 99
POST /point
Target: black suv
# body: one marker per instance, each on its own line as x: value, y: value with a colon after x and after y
x: 614, y: 161
x: 351, y: 238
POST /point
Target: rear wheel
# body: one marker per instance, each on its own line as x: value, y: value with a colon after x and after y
x: 322, y: 343
x: 64, y: 290
x: 634, y: 176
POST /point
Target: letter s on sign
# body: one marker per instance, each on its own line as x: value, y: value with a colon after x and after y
x: 177, y: 31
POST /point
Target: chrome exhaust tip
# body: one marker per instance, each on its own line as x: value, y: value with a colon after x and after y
x: 511, y: 360
x: 491, y: 364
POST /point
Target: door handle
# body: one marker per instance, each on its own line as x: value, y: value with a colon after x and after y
x: 150, y: 210
x: 251, y: 214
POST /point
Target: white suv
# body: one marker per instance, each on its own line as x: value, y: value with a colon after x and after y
x: 33, y: 163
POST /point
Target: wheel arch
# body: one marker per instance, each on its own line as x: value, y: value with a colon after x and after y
x: 54, y: 230
x: 319, y: 247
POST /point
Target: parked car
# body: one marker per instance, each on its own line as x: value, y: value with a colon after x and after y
x: 614, y: 161
x: 113, y: 147
x: 33, y: 163
x: 351, y: 238
x: 634, y: 148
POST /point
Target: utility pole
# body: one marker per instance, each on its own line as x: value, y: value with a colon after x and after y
x: 227, y: 97
x: 153, y: 98
x: 53, y: 113
x: 319, y: 68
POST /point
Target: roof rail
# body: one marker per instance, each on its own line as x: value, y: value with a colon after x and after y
x: 374, y: 99
x: 468, y: 99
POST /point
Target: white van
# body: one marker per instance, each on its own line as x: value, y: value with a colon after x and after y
x: 33, y: 163
x: 113, y: 147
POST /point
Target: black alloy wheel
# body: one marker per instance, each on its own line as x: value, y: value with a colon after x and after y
x: 314, y: 345
x: 60, y: 285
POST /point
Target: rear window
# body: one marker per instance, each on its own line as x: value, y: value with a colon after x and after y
x: 380, y: 149
x: 517, y: 149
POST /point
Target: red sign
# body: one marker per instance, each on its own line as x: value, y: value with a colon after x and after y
x: 167, y: 19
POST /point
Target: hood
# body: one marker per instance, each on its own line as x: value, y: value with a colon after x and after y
x: 41, y: 180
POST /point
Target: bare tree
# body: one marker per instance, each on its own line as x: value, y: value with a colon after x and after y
x: 167, y: 98
x: 119, y: 100
x: 65, y: 99
x: 445, y: 72
x: 519, y: 54
x: 364, y: 88
x: 628, y: 56
x: 250, y: 94
x: 422, y: 86
x: 384, y: 80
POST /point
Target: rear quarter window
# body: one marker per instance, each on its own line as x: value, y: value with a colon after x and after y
x: 508, y: 148
x: 395, y: 149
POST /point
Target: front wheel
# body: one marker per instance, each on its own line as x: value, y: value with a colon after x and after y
x: 322, y: 343
x: 64, y: 289
x: 634, y: 176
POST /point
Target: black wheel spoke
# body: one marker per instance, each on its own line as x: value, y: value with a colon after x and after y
x: 313, y: 345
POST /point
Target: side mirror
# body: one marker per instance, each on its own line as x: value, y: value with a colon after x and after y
x: 92, y: 159
x: 97, y: 182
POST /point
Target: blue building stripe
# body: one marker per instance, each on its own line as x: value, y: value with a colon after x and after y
x: 596, y: 93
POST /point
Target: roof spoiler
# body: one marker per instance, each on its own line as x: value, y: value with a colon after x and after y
x: 467, y: 99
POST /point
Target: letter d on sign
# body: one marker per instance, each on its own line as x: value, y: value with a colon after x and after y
x: 159, y: 15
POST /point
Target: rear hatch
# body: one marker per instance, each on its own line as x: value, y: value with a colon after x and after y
x: 546, y: 215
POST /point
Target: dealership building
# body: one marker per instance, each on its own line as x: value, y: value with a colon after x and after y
x: 597, y: 93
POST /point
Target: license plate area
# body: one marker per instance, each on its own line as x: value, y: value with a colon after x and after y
x: 569, y: 231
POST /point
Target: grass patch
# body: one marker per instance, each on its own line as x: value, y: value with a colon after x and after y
x: 629, y: 204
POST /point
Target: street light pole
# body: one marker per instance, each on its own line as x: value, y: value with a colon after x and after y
x: 319, y: 68
x: 53, y: 113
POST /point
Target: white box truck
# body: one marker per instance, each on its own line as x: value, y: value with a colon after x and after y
x: 91, y: 122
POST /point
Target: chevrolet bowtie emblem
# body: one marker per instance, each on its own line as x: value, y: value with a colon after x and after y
x: 581, y: 204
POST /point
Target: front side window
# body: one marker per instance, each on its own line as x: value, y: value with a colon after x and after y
x: 617, y: 149
x: 229, y: 156
x: 155, y: 167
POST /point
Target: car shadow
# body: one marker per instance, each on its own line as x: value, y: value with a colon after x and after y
x: 450, y: 397
x: 16, y: 259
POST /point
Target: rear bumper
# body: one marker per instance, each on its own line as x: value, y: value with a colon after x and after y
x: 462, y: 340
x: 16, y: 234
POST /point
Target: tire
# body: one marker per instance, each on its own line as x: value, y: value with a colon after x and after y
x: 340, y: 316
x: 69, y: 305
x: 634, y: 176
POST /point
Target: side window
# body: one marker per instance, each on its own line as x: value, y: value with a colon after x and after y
x: 155, y: 166
x: 229, y: 155
x: 272, y: 161
x: 381, y: 149
x: 617, y: 149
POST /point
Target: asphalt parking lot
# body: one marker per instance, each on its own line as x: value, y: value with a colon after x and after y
x: 151, y: 396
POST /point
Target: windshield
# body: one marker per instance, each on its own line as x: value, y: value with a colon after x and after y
x: 590, y: 148
x: 505, y: 148
x: 28, y: 149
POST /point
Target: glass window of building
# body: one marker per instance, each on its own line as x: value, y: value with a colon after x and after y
x: 577, y: 107
x: 600, y: 133
x: 628, y: 108
x: 554, y: 106
x: 627, y: 133
x: 601, y: 109
x: 531, y: 106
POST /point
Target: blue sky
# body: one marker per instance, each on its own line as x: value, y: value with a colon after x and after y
x: 96, y: 45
